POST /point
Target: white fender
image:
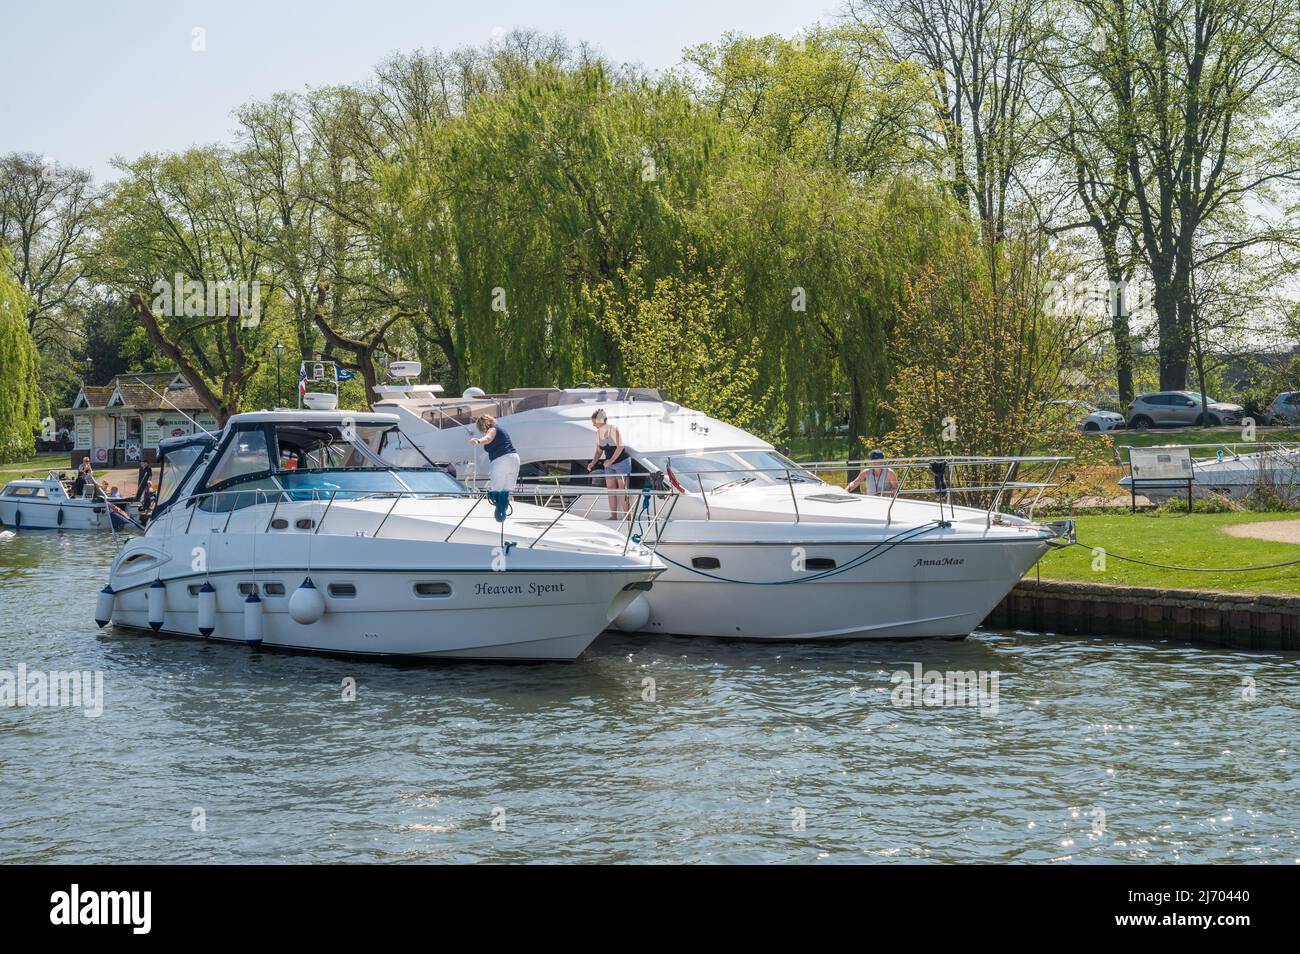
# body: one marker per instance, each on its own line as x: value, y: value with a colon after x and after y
x: 157, y: 596
x: 635, y: 616
x: 253, y: 620
x: 207, y: 610
x: 306, y: 605
x: 104, y: 606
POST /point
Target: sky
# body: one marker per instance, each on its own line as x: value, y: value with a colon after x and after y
x: 82, y: 82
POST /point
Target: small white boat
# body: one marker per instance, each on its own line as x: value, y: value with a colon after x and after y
x: 1229, y: 473
x: 324, y: 531
x: 47, y: 503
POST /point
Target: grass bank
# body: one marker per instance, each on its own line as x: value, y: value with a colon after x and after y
x: 1193, y: 540
x: 39, y: 465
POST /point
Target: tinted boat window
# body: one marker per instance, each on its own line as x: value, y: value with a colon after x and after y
x: 430, y: 482
x: 176, y: 466
x: 245, y: 454
x: 322, y: 485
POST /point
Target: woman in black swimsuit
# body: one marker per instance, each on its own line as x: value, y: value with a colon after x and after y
x: 618, y: 466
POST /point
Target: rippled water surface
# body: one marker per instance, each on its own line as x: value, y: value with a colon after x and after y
x: 1099, y: 750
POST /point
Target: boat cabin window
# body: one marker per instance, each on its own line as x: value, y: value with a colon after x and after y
x: 724, y: 469
x: 329, y: 446
x: 244, y: 453
x: 176, y: 466
x: 564, y: 472
x: 25, y: 492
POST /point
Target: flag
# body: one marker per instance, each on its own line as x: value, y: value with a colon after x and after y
x: 302, y: 380
x: 343, y: 374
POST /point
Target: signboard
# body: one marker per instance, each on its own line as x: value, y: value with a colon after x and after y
x: 82, y: 429
x: 101, y: 455
x: 133, y: 448
x: 1161, y: 463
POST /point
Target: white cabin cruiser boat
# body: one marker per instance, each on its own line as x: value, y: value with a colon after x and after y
x: 1230, y: 473
x: 47, y: 503
x: 757, y: 547
x: 324, y: 531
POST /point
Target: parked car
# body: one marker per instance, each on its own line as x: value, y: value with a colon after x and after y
x: 1283, y: 409
x: 1179, y: 409
x: 1093, y: 419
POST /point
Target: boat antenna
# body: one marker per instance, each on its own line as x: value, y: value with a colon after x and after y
x: 159, y: 394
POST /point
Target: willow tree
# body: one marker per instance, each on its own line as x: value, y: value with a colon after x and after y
x: 563, y: 180
x: 817, y: 124
x: 20, y: 397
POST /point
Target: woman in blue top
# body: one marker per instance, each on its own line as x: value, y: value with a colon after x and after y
x: 500, y: 451
x: 618, y: 466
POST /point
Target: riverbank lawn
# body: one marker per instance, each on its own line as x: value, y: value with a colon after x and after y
x: 37, y: 466
x: 1193, y: 540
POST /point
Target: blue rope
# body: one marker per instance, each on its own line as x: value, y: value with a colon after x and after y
x: 860, y: 560
x: 501, y: 500
x: 643, y: 509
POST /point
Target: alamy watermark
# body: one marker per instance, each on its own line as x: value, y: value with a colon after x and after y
x: 933, y: 688
x: 57, y: 688
x: 190, y: 298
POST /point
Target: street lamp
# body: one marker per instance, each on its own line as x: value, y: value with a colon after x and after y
x: 278, y: 348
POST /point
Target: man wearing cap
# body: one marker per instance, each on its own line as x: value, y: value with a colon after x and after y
x: 880, y: 480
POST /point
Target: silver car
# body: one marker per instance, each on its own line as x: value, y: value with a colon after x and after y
x: 1179, y: 409
x: 1284, y: 409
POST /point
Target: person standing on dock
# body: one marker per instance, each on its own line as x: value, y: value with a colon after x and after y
x: 501, y: 453
x: 143, y: 478
x: 881, y: 481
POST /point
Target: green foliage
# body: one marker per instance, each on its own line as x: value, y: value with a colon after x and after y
x: 978, y: 367
x: 20, y: 397
x: 671, y: 333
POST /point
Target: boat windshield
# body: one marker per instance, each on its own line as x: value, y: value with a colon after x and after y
x: 720, y: 469
x: 350, y: 484
x: 176, y: 465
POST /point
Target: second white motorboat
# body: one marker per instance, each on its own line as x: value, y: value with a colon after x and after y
x: 757, y: 547
x: 47, y: 503
x: 323, y: 531
x: 1272, y: 470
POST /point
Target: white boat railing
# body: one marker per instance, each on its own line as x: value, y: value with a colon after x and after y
x: 993, y: 482
x: 324, y: 501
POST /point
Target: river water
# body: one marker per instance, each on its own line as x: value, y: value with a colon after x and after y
x: 646, y: 749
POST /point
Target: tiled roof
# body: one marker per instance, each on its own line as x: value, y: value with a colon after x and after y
x: 139, y: 396
x: 141, y: 392
x: 97, y: 396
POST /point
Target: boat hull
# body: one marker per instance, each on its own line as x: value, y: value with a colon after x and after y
x: 906, y: 592
x: 38, y: 515
x: 531, y: 615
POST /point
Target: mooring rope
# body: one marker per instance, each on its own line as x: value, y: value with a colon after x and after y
x: 860, y: 560
x: 1190, y: 569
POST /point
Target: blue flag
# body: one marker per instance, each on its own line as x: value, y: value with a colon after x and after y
x: 343, y: 374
